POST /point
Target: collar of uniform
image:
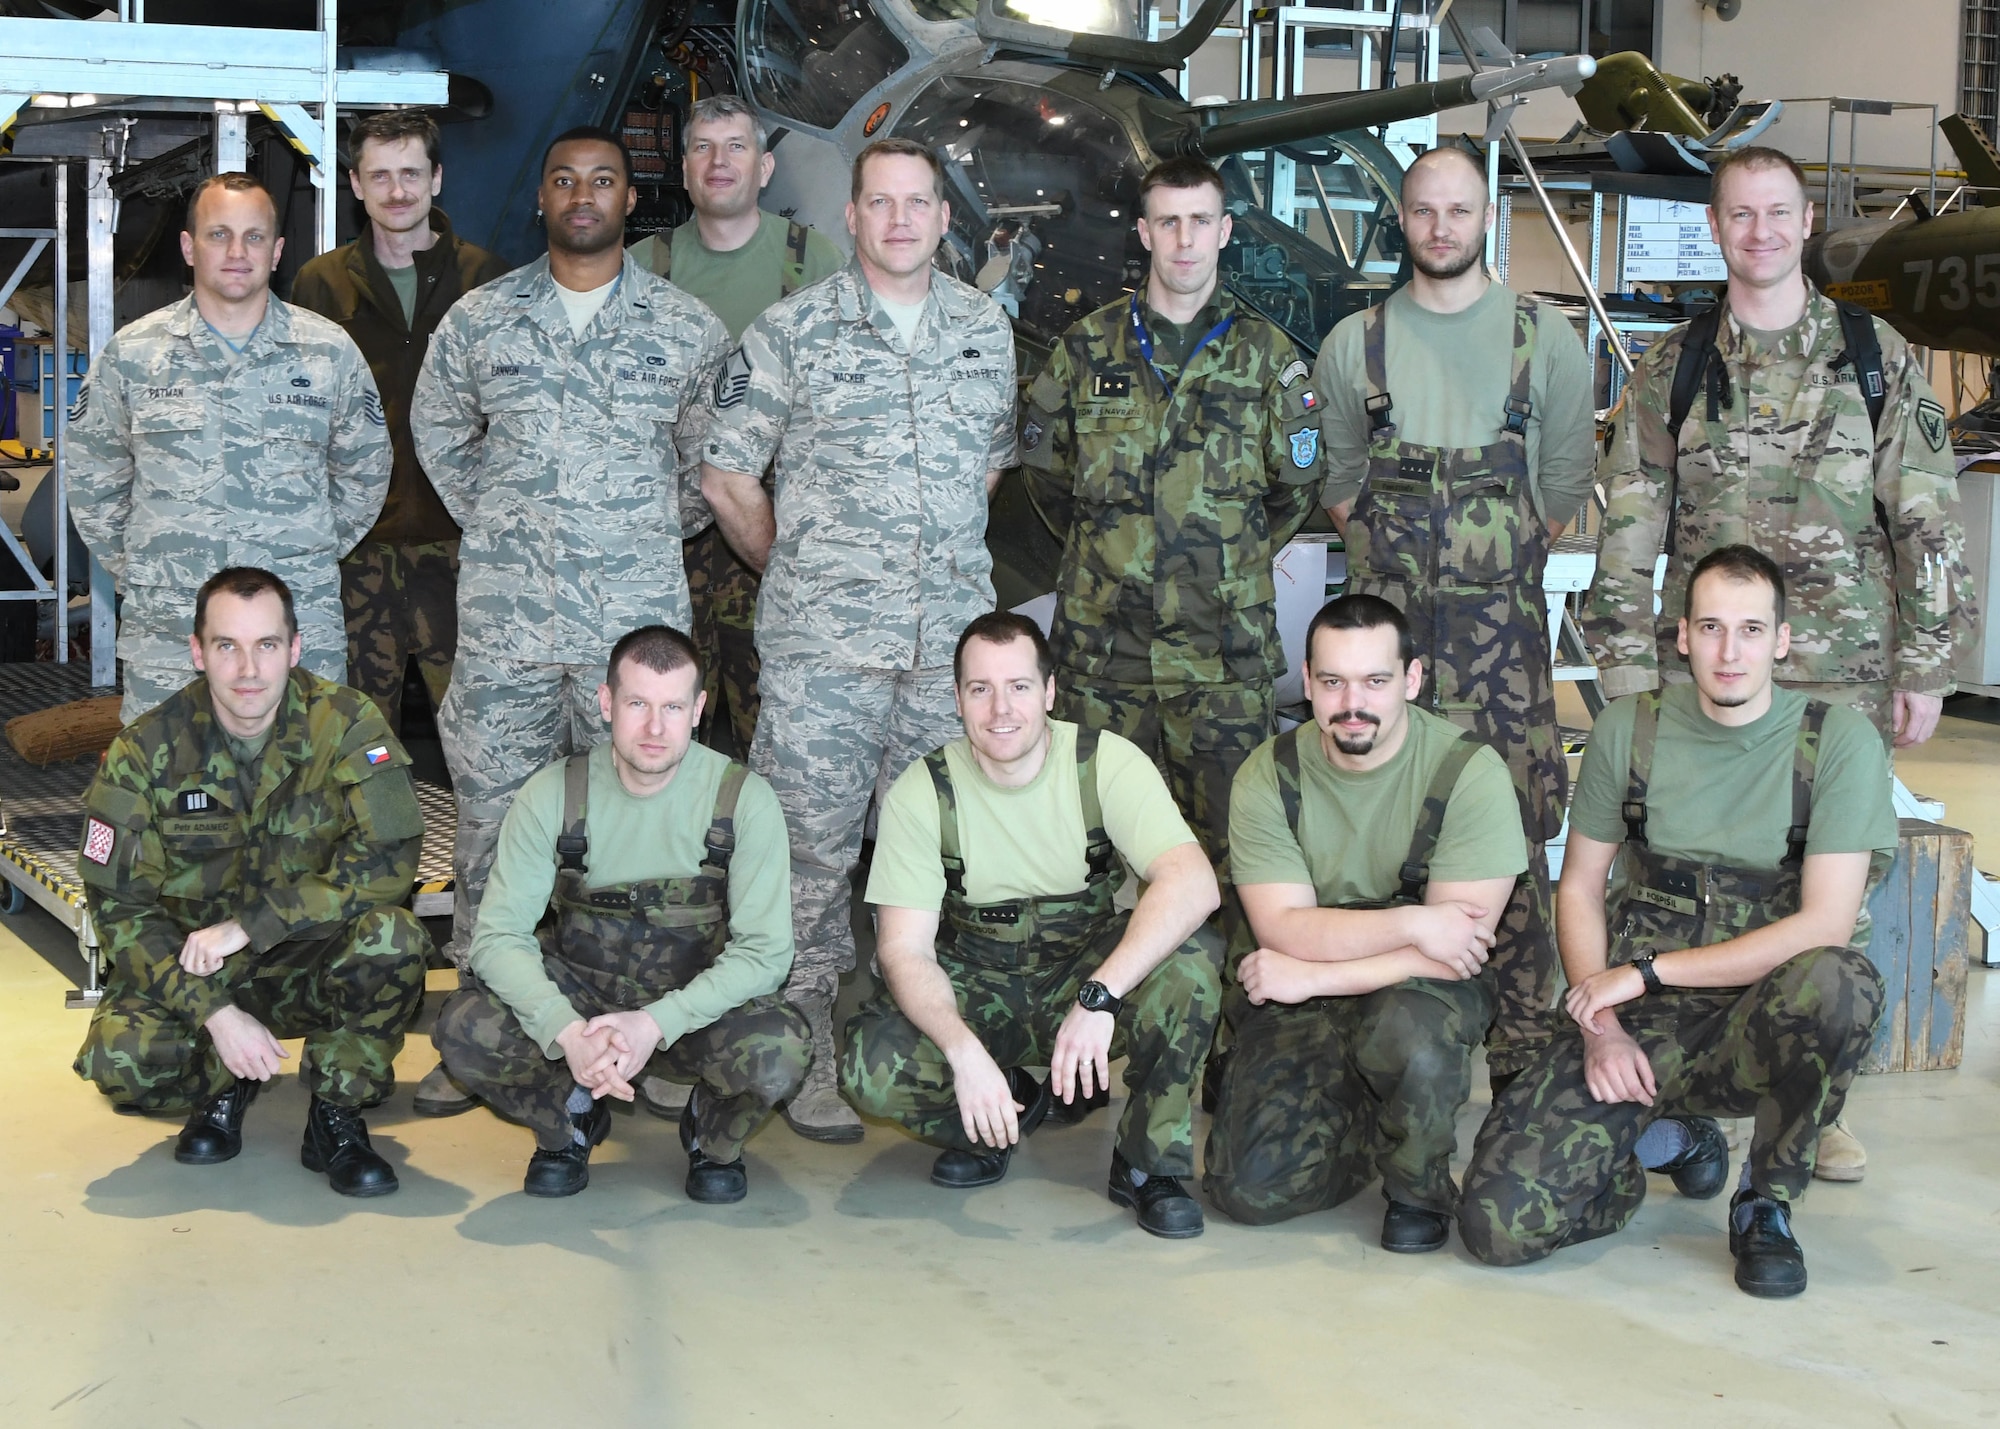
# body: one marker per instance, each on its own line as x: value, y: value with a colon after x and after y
x: 858, y: 299
x: 290, y: 741
x: 1819, y: 320
x: 373, y: 278
x: 535, y: 295
x: 1220, y: 305
x: 186, y: 321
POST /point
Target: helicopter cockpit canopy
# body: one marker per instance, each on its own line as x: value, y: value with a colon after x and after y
x: 812, y: 60
x: 1075, y: 17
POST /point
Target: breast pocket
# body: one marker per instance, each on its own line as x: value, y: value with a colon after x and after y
x: 1488, y: 536
x: 167, y: 439
x: 859, y: 417
x: 1390, y: 535
x: 203, y: 855
x: 1111, y: 456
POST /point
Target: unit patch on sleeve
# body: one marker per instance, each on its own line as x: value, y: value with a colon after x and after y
x: 97, y: 840
x: 1931, y: 422
x: 1031, y: 435
x: 1305, y: 447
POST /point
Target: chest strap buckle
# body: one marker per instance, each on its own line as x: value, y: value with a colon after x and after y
x: 1518, y: 412
x: 1380, y: 409
x: 570, y: 850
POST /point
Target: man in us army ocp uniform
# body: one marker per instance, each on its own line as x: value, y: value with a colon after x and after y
x: 546, y: 416
x: 739, y: 260
x: 1778, y: 448
x: 228, y: 429
x: 247, y: 848
x: 886, y: 397
x: 1172, y: 445
x: 1460, y: 439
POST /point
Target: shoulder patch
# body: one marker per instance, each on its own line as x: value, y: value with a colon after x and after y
x: 732, y: 381
x: 1931, y: 422
x: 1294, y: 373
x: 371, y: 409
x: 1031, y: 436
x: 98, y: 838
x: 1305, y: 447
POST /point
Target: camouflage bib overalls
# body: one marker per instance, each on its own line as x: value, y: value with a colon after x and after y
x: 1554, y: 1166
x: 1016, y: 967
x: 1451, y: 537
x: 620, y: 948
x: 1318, y: 1097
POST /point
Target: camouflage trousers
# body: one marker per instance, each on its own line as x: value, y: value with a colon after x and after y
x: 830, y: 738
x: 349, y: 995
x: 1553, y: 1166
x: 750, y: 1059
x: 400, y: 601
x: 1523, y: 970
x: 722, y: 594
x: 892, y: 1070
x: 1319, y: 1098
x: 154, y: 623
x: 501, y: 721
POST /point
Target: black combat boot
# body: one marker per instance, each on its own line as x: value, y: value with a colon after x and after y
x: 958, y: 1170
x: 1769, y: 1263
x: 565, y: 1172
x: 1412, y: 1230
x: 1069, y: 1113
x: 1164, y: 1206
x: 1701, y: 1171
x: 214, y: 1132
x: 711, y: 1182
x: 336, y: 1142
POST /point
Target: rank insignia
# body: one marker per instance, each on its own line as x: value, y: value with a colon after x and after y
x: 193, y: 801
x: 732, y: 381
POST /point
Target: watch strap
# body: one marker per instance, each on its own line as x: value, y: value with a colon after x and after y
x: 1648, y: 974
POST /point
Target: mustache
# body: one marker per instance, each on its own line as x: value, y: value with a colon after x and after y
x: 1340, y: 715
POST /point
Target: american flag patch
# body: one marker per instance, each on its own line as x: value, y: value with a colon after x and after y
x: 379, y: 754
x: 97, y: 839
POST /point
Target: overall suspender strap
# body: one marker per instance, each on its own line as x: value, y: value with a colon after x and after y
x: 1415, y: 875
x: 573, y: 843
x: 792, y: 277
x: 1645, y: 733
x: 1098, y: 852
x: 948, y: 850
x: 1145, y: 341
x: 1381, y: 407
x: 722, y: 824
x: 1285, y: 762
x: 1805, y: 765
x: 1514, y: 418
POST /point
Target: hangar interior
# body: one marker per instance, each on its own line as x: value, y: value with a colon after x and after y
x: 848, y: 1289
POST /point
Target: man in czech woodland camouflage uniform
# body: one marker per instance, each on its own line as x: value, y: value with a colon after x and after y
x: 885, y: 398
x: 247, y: 848
x: 1723, y: 973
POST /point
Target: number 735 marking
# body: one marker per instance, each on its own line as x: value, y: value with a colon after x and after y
x: 1953, y: 294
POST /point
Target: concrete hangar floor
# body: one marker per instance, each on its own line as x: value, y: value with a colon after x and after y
x: 848, y: 1290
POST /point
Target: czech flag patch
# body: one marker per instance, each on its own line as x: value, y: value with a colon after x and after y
x: 379, y: 754
x: 97, y: 841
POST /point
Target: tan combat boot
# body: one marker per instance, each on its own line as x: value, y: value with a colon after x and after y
x: 1842, y: 1157
x: 818, y: 1113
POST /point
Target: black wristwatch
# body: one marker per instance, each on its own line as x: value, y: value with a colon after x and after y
x: 1096, y: 997
x: 1646, y: 973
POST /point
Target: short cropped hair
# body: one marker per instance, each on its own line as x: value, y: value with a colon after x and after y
x: 1743, y: 564
x: 245, y: 583
x: 596, y: 133
x: 1756, y: 156
x: 1184, y: 172
x: 393, y: 126
x: 659, y: 648
x: 718, y: 107
x: 236, y: 182
x: 889, y: 148
x: 1444, y: 153
x: 1363, y: 612
x: 1004, y: 627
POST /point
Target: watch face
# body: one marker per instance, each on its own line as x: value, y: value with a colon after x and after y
x: 1093, y: 996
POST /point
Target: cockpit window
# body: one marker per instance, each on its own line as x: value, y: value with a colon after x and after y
x: 1038, y: 185
x: 812, y: 59
x: 1084, y: 17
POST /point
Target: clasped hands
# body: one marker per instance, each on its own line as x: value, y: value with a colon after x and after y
x: 606, y: 1053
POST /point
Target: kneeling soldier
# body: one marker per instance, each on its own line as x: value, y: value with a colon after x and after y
x: 1011, y: 839
x: 1748, y: 823
x: 668, y: 871
x: 1374, y: 852
x: 247, y: 849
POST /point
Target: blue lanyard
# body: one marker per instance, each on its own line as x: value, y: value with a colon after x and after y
x: 1146, y: 343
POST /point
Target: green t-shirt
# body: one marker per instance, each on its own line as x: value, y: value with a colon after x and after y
x: 1449, y: 375
x: 1355, y: 829
x: 1723, y: 795
x: 404, y: 281
x: 661, y: 836
x: 248, y: 754
x: 1020, y: 843
x: 743, y: 282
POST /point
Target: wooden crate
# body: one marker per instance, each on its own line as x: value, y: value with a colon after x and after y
x: 1921, y: 946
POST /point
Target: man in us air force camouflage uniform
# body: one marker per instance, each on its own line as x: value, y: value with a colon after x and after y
x: 545, y: 416
x: 1172, y: 444
x: 227, y: 429
x: 246, y: 850
x: 1724, y: 973
x: 1791, y: 439
x: 886, y: 396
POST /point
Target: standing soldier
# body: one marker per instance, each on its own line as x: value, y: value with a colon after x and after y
x: 228, y: 429
x: 1170, y: 444
x: 1805, y: 428
x: 886, y: 397
x: 1459, y: 442
x: 739, y: 260
x: 389, y: 288
x: 545, y: 415
x: 248, y: 846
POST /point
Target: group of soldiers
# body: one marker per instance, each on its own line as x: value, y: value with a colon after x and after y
x: 727, y: 486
